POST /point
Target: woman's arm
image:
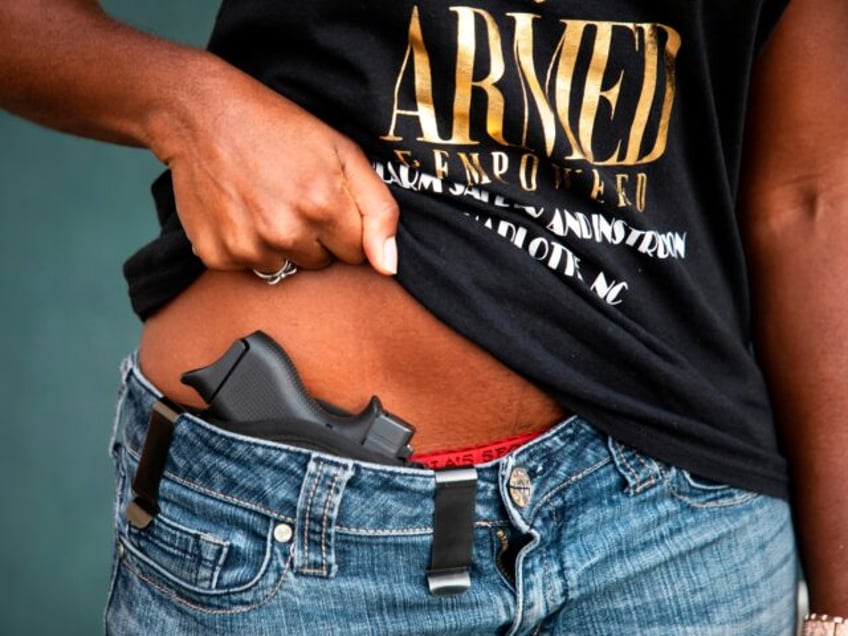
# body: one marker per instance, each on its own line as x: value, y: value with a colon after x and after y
x: 795, y: 216
x: 257, y: 178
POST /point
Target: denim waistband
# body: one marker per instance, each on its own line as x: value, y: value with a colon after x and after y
x: 267, y: 476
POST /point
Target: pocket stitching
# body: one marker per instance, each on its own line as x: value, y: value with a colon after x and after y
x: 171, y: 594
x: 162, y: 571
x: 178, y: 532
x: 735, y: 496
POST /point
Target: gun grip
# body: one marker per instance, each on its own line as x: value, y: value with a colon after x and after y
x: 208, y: 380
x: 256, y: 381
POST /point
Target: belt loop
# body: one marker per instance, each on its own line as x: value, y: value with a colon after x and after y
x: 453, y: 531
x: 115, y: 440
x: 157, y: 441
x: 317, y: 510
x: 639, y: 471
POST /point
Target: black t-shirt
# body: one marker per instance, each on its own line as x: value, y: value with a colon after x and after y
x: 567, y: 175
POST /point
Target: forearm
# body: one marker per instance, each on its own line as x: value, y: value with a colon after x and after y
x: 799, y: 261
x: 67, y: 65
x: 794, y: 212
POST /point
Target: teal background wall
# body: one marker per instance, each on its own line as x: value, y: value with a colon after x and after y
x: 71, y: 210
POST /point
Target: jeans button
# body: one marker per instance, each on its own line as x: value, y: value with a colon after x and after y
x: 283, y: 533
x: 520, y: 487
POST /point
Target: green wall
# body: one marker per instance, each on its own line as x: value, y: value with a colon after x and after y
x: 71, y: 210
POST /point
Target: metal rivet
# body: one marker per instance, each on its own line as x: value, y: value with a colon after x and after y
x: 283, y: 533
x: 520, y: 487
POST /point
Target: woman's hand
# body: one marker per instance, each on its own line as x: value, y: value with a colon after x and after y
x: 259, y: 180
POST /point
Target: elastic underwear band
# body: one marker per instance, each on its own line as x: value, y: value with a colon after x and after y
x: 475, y: 454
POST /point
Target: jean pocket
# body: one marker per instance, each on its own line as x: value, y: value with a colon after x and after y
x: 205, y: 551
x: 192, y: 557
x: 700, y: 492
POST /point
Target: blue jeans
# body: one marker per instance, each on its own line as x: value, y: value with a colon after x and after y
x: 256, y: 537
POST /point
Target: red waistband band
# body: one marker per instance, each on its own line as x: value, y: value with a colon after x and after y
x: 475, y: 454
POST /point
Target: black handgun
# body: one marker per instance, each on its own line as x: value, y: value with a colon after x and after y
x: 254, y: 389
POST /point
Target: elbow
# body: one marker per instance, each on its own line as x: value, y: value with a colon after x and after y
x: 810, y: 210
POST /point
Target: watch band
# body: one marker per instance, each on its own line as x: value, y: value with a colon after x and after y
x: 824, y: 625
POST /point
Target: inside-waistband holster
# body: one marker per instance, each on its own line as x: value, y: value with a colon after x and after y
x: 453, y: 515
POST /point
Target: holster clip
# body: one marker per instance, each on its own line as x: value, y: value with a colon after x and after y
x: 160, y: 430
x: 453, y: 531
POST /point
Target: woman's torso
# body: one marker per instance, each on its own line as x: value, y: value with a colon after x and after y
x: 352, y: 333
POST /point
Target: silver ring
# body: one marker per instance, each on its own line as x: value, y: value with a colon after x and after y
x: 273, y: 278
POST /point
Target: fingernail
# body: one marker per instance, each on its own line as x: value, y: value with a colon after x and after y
x: 390, y: 255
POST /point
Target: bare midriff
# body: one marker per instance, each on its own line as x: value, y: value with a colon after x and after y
x: 352, y: 333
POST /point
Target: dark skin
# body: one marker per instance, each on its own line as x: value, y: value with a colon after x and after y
x: 218, y: 129
x: 795, y: 219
